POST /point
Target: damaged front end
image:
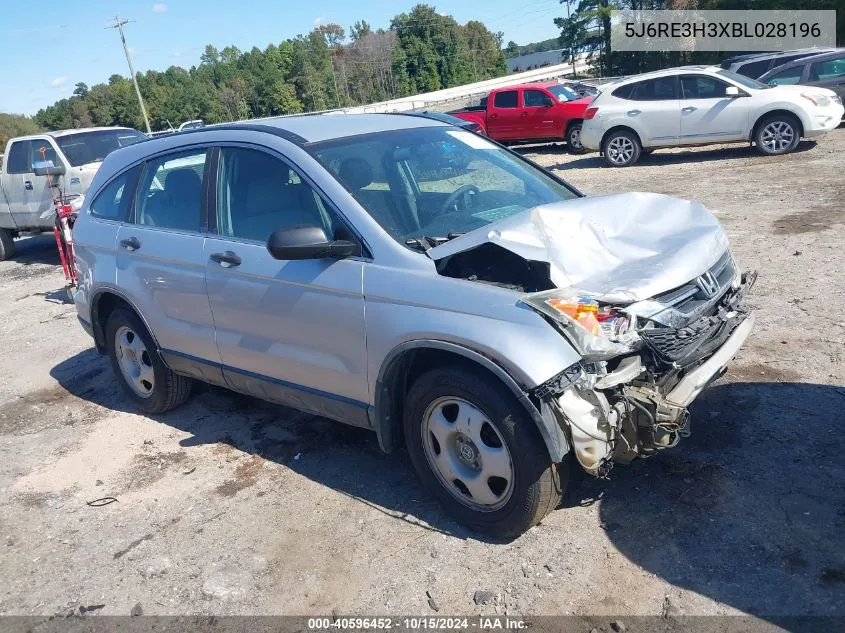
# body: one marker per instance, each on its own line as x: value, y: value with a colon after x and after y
x: 643, y: 286
x: 644, y: 363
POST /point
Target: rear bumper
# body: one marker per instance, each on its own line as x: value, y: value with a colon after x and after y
x: 591, y: 137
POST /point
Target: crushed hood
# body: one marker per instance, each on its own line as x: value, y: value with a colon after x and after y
x: 621, y: 248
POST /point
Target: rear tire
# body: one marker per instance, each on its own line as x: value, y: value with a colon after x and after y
x: 573, y: 138
x: 142, y: 375
x: 7, y: 245
x: 621, y: 148
x: 777, y: 134
x: 489, y: 435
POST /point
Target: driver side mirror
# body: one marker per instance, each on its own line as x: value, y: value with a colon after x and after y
x: 48, y: 169
x: 732, y: 92
x: 308, y: 242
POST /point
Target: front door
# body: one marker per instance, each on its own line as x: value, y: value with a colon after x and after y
x: 708, y: 114
x: 38, y: 208
x: 161, y: 261
x: 541, y: 119
x: 288, y: 331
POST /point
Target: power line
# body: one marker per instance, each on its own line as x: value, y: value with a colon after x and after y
x: 118, y: 24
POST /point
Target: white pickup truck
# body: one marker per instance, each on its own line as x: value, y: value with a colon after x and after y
x: 26, y: 199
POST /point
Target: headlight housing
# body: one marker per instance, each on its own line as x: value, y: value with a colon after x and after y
x: 598, y: 332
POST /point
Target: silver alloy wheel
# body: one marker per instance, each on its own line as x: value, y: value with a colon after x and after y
x: 467, y: 454
x: 777, y: 136
x: 575, y: 138
x: 619, y: 150
x: 134, y: 361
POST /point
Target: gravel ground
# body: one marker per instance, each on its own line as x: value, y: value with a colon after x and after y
x: 232, y: 506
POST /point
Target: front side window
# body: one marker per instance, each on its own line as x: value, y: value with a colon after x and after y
x: 170, y: 195
x: 42, y: 153
x: 788, y: 77
x: 83, y: 148
x: 17, y: 161
x: 507, y: 99
x: 660, y: 89
x: 113, y: 201
x: 535, y: 98
x: 435, y: 181
x: 258, y: 193
x: 702, y: 87
x: 829, y: 69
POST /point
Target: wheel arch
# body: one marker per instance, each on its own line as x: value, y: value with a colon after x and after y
x: 410, y: 359
x: 616, y: 128
x: 105, y: 301
x: 781, y: 111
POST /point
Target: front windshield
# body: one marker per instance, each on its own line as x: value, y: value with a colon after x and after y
x: 746, y: 82
x: 82, y: 148
x: 562, y: 93
x: 436, y: 182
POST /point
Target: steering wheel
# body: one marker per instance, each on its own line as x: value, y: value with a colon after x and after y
x: 456, y: 195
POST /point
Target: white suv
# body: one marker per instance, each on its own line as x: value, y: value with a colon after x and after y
x: 699, y: 105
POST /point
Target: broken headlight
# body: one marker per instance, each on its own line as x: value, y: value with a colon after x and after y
x: 598, y: 332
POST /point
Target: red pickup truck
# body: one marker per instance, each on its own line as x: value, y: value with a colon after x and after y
x: 531, y: 112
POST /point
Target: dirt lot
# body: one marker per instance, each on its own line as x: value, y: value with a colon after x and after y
x: 232, y: 506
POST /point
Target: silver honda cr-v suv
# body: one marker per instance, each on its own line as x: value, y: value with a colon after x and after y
x: 407, y: 276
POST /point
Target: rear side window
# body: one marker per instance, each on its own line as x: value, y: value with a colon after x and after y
x: 754, y: 69
x: 830, y: 69
x: 170, y: 195
x: 660, y: 89
x: 787, y: 77
x: 18, y: 158
x: 112, y: 203
x: 505, y: 99
x: 624, y: 92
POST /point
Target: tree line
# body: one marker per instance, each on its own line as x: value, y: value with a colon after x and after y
x: 587, y: 29
x: 420, y: 51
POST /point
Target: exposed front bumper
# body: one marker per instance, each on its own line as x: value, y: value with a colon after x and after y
x: 695, y: 381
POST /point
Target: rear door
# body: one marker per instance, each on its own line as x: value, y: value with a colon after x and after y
x: 540, y: 118
x: 708, y: 114
x: 655, y: 111
x: 503, y: 115
x: 288, y: 331
x: 161, y: 262
x: 830, y: 74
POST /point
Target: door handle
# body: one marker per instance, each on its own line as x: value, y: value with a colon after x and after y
x: 633, y: 112
x: 493, y: 115
x: 130, y: 244
x: 689, y: 109
x: 27, y: 184
x: 524, y: 114
x: 226, y: 259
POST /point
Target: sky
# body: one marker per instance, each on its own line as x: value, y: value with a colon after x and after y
x: 50, y: 46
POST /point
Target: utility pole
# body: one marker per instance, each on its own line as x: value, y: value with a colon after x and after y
x: 118, y: 24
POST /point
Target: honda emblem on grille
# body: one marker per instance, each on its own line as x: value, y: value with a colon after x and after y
x: 708, y: 283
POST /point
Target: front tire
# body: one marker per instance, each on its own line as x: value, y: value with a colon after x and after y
x: 478, y: 452
x: 622, y: 148
x: 142, y: 375
x: 7, y: 245
x: 573, y: 138
x: 777, y: 134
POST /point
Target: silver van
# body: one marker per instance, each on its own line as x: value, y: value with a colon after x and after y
x: 410, y: 277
